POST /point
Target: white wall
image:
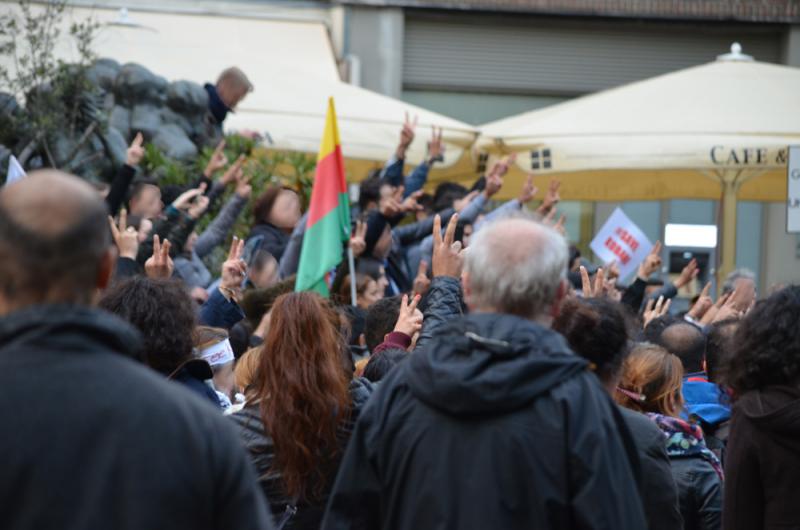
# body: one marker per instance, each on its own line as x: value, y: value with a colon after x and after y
x: 781, y: 250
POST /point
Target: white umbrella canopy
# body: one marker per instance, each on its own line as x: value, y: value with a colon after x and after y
x: 293, y: 69
x: 718, y: 130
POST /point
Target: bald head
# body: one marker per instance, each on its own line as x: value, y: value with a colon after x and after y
x: 686, y: 342
x: 53, y: 238
x: 516, y: 266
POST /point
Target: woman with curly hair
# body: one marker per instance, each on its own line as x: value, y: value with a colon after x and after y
x: 300, y: 408
x: 651, y: 384
x: 763, y: 455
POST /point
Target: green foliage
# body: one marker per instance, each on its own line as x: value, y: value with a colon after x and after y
x: 58, y: 97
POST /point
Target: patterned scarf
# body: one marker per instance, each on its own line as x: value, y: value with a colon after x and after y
x: 685, y: 439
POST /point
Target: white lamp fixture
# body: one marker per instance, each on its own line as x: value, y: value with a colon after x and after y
x: 696, y: 236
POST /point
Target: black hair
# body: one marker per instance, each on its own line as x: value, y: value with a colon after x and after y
x: 652, y: 333
x: 382, y: 363
x: 370, y: 267
x: 357, y: 318
x: 380, y: 320
x: 446, y: 193
x: 257, y: 302
x: 426, y: 201
x: 766, y: 345
x: 140, y: 184
x: 687, y: 342
x: 597, y: 330
x: 718, y: 346
x: 36, y: 265
x: 369, y: 191
x: 163, y: 312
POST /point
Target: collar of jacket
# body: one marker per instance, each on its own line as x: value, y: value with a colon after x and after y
x: 216, y: 106
x: 64, y: 327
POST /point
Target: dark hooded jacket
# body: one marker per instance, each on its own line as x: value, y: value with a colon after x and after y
x: 308, y: 514
x: 93, y: 439
x: 270, y: 238
x: 658, y: 489
x: 762, y: 467
x: 493, y: 424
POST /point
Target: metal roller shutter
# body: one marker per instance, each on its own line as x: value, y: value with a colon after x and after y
x: 538, y: 56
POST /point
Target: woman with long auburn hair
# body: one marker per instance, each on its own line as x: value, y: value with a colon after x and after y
x: 300, y: 408
x: 651, y: 383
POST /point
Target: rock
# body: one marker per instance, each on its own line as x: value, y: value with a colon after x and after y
x: 103, y: 73
x: 8, y: 104
x: 136, y: 84
x: 174, y: 143
x: 120, y: 119
x: 115, y: 145
x: 187, y: 97
x: 146, y: 119
x: 168, y: 116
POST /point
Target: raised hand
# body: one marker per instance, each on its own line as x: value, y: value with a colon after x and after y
x: 436, y: 146
x: 392, y: 205
x: 159, y: 265
x: 410, y: 319
x: 689, y: 273
x: 731, y: 308
x: 358, y: 241
x: 234, y: 270
x: 551, y: 199
x: 185, y: 199
x: 651, y: 263
x: 234, y: 172
x: 651, y: 313
x: 612, y: 270
x: 448, y: 256
x: 460, y: 204
x: 217, y: 161
x: 407, y: 134
x: 410, y: 203
x: 703, y: 304
x: 598, y: 290
x: 125, y: 237
x: 135, y: 151
x: 528, y: 191
x: 198, y: 207
x: 421, y: 281
x: 243, y: 187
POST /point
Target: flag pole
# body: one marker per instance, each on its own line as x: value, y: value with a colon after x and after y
x: 351, y: 265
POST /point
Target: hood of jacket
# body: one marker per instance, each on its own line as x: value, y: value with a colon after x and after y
x: 65, y: 327
x: 487, y: 363
x: 774, y: 408
x: 705, y: 400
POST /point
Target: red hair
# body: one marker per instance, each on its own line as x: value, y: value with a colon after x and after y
x: 303, y: 389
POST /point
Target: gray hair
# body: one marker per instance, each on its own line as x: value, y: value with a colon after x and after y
x: 515, y: 266
x: 739, y: 274
x: 235, y: 75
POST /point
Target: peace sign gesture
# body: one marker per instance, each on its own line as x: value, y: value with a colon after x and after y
x: 448, y: 256
x: 703, y: 304
x: 551, y: 198
x: 159, y: 265
x: 234, y: 172
x: 409, y: 321
x: 409, y: 131
x: 436, y: 146
x: 217, y: 161
x: 126, y: 237
x: 135, y: 151
x: 651, y: 313
x: 651, y: 263
x: 528, y: 191
x: 421, y: 281
x: 234, y: 269
x: 358, y: 241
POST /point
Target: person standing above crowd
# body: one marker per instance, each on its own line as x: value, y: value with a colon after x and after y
x: 230, y: 89
x: 763, y: 456
x: 93, y: 438
x: 494, y: 423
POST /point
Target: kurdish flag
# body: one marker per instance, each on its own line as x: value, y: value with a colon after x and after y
x: 328, y: 225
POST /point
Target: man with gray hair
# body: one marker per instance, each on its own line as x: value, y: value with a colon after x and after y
x: 492, y: 422
x: 230, y: 89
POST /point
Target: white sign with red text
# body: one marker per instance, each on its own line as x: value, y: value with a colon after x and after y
x: 622, y: 241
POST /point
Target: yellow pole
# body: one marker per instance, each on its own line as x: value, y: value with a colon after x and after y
x: 729, y: 201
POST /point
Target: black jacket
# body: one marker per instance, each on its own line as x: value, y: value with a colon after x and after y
x: 262, y: 451
x: 700, y: 493
x: 762, y: 466
x: 93, y: 439
x: 273, y: 239
x: 494, y: 424
x: 658, y: 490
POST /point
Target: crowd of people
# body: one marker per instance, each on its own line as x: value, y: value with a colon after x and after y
x: 485, y: 376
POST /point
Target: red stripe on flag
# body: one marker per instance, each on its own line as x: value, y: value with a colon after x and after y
x: 328, y: 184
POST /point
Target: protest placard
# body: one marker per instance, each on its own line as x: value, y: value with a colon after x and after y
x: 622, y: 241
